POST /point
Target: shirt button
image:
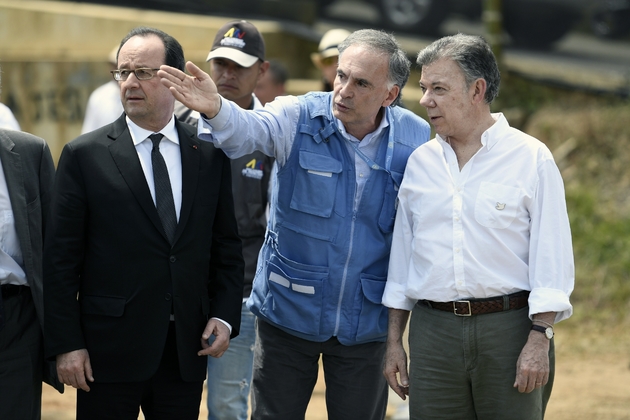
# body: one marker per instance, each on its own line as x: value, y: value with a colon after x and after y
x: 361, y: 175
x: 172, y: 258
x: 167, y: 296
x: 457, y: 250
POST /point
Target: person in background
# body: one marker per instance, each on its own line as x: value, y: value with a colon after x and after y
x: 273, y: 83
x: 327, y: 56
x: 7, y: 119
x: 26, y: 178
x: 237, y: 63
x: 322, y: 269
x: 142, y: 261
x: 481, y: 255
x: 104, y: 105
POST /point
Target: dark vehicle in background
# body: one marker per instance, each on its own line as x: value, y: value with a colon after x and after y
x: 529, y: 23
x: 611, y: 19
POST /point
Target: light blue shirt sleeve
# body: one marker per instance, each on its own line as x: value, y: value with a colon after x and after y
x: 238, y: 132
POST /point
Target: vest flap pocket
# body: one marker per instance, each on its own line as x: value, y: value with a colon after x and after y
x: 372, y: 324
x: 314, y: 162
x: 373, y: 288
x: 294, y: 297
x: 315, y: 186
x: 103, y: 305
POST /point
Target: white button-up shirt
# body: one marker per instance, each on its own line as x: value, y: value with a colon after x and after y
x: 169, y: 148
x: 496, y: 227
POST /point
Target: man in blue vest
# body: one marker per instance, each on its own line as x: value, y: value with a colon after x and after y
x: 322, y: 270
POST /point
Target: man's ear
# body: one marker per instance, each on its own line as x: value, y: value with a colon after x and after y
x: 262, y: 69
x: 391, y: 95
x: 478, y: 89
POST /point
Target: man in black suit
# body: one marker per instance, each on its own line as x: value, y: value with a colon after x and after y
x: 143, y: 232
x: 26, y: 176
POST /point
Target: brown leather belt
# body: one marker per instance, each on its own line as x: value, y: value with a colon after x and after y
x: 481, y: 306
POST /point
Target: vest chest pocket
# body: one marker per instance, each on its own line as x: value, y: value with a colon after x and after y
x: 316, y: 184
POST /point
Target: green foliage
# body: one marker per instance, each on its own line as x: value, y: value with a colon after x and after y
x: 590, y: 139
x: 601, y: 244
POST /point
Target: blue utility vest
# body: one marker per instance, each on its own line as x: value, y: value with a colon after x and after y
x: 322, y: 269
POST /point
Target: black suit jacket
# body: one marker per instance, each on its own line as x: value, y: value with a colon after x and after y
x: 106, y: 244
x: 29, y: 172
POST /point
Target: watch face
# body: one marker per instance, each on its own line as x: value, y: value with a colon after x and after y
x: 549, y: 333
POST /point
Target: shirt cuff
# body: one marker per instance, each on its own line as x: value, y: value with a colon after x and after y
x: 223, y: 322
x: 550, y: 300
x: 394, y: 297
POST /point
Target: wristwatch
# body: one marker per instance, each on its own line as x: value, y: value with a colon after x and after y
x: 547, y: 331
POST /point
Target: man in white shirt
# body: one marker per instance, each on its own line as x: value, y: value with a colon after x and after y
x: 481, y: 254
x: 104, y: 105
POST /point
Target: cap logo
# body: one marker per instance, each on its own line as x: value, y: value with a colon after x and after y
x: 233, y: 38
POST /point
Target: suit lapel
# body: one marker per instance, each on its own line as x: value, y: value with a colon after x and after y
x: 189, y: 147
x: 12, y: 167
x: 125, y: 156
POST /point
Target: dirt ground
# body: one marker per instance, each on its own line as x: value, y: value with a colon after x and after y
x: 592, y: 382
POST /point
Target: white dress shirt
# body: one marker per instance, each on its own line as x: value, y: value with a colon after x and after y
x: 11, y: 259
x: 103, y: 107
x: 496, y: 227
x: 169, y: 147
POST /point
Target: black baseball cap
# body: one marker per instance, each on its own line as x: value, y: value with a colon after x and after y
x: 240, y: 42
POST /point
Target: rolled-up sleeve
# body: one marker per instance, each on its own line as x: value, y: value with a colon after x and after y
x: 551, y: 265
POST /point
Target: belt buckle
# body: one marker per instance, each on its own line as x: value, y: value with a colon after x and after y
x: 462, y: 301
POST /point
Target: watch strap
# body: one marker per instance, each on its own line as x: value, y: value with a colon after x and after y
x: 543, y: 330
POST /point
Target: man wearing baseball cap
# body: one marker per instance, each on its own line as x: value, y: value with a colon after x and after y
x: 327, y: 56
x: 237, y: 63
x: 321, y: 273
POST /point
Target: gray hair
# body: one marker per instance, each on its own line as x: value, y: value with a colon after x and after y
x: 399, y: 64
x: 472, y: 54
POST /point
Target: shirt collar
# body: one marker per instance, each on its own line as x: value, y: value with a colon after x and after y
x: 492, y: 135
x: 374, y: 134
x: 139, y: 134
x: 496, y: 132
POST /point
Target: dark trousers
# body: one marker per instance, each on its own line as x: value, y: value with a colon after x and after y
x: 466, y: 366
x: 286, y: 369
x: 21, y: 359
x: 165, y: 396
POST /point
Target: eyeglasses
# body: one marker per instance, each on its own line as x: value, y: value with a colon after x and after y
x: 141, y: 74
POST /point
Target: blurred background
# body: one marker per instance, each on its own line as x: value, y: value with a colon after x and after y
x: 566, y: 80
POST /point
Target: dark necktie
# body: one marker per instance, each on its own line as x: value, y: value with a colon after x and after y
x: 163, y: 193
